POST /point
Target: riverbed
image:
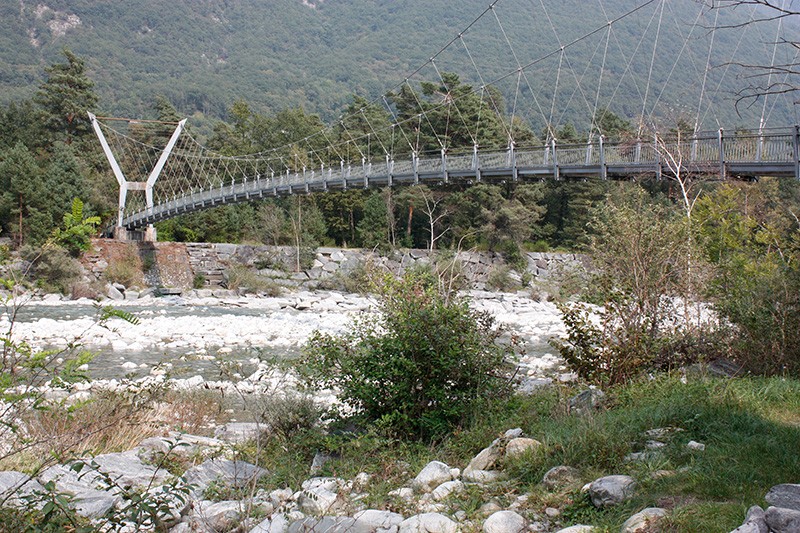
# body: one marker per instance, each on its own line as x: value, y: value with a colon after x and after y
x: 195, y: 336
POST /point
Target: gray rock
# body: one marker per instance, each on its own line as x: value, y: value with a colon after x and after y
x: 373, y: 520
x: 219, y: 516
x: 428, y: 523
x: 326, y: 524
x: 131, y: 295
x: 580, y: 528
x: 786, y: 495
x: 127, y: 470
x: 114, y: 293
x: 560, y: 477
x: 446, y: 489
x: 520, y: 445
x: 86, y: 499
x: 754, y: 522
x: 487, y: 457
x: 434, y: 474
x: 611, y: 490
x: 16, y: 485
x: 642, y: 521
x: 238, y: 432
x: 482, y: 476
x: 782, y: 520
x: 695, y: 446
x: 317, y: 501
x: 587, y: 401
x: 235, y: 474
x: 505, y: 522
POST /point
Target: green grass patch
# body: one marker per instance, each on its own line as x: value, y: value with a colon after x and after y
x: 748, y: 426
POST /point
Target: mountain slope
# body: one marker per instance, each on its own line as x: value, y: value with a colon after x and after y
x: 205, y: 54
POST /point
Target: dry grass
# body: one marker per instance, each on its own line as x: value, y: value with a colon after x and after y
x: 104, y: 424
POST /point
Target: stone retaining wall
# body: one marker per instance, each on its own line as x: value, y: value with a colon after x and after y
x: 211, y: 261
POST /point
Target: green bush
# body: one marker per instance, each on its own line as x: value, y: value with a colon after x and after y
x: 420, y: 369
x: 52, y: 268
x: 751, y: 237
x: 646, y: 274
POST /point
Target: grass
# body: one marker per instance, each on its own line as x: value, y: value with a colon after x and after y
x: 749, y: 427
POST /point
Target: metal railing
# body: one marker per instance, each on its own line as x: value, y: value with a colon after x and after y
x: 743, y: 154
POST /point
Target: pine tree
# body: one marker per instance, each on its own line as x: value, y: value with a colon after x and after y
x: 65, y: 97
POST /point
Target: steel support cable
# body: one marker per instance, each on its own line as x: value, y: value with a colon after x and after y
x: 725, y: 71
x: 652, y: 64
x: 458, y: 111
x: 789, y: 61
x: 347, y: 132
x: 372, y: 129
x: 705, y: 74
x: 397, y: 123
x: 600, y: 85
x: 633, y: 56
x: 583, y: 75
x: 675, y: 64
x: 427, y: 119
x: 564, y: 55
x: 333, y: 146
x: 514, y: 108
x: 778, y: 32
x: 520, y: 72
x: 555, y: 95
x: 499, y: 113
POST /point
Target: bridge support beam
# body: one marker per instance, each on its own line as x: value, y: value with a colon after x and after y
x: 797, y: 152
x: 124, y: 185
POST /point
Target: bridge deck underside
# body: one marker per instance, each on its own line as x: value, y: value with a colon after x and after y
x: 437, y: 172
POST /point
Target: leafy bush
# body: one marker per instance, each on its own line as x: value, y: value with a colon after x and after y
x: 77, y: 229
x: 288, y: 414
x: 646, y: 272
x: 198, y: 281
x: 500, y: 279
x: 751, y: 237
x: 123, y: 272
x: 52, y: 268
x: 419, y: 369
x: 241, y: 277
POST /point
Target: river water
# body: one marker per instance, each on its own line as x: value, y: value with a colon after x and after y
x: 201, y: 336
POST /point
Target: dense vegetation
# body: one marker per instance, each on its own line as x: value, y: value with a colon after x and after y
x: 205, y: 55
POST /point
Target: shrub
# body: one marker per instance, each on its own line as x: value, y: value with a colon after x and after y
x: 421, y: 368
x: 241, y: 277
x: 752, y: 239
x: 500, y: 279
x: 198, y: 281
x: 290, y: 413
x: 52, y: 268
x: 646, y: 271
x: 122, y: 272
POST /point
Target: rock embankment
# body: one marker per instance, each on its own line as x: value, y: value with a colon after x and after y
x: 217, y: 491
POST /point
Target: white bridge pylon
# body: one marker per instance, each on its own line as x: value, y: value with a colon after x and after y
x: 124, y: 184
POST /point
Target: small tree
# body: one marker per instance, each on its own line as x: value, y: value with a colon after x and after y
x: 77, y: 229
x: 638, y: 250
x: 421, y: 368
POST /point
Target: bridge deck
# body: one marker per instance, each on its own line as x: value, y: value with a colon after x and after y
x: 741, y: 157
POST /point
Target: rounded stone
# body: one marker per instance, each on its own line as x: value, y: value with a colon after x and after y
x: 505, y: 522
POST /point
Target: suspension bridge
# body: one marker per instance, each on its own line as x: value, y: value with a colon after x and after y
x: 181, y: 175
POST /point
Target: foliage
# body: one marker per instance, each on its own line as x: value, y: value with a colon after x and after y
x: 752, y: 238
x: 640, y: 252
x: 65, y: 97
x: 77, y: 229
x: 51, y: 268
x: 408, y: 371
x: 289, y: 414
x: 241, y: 277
